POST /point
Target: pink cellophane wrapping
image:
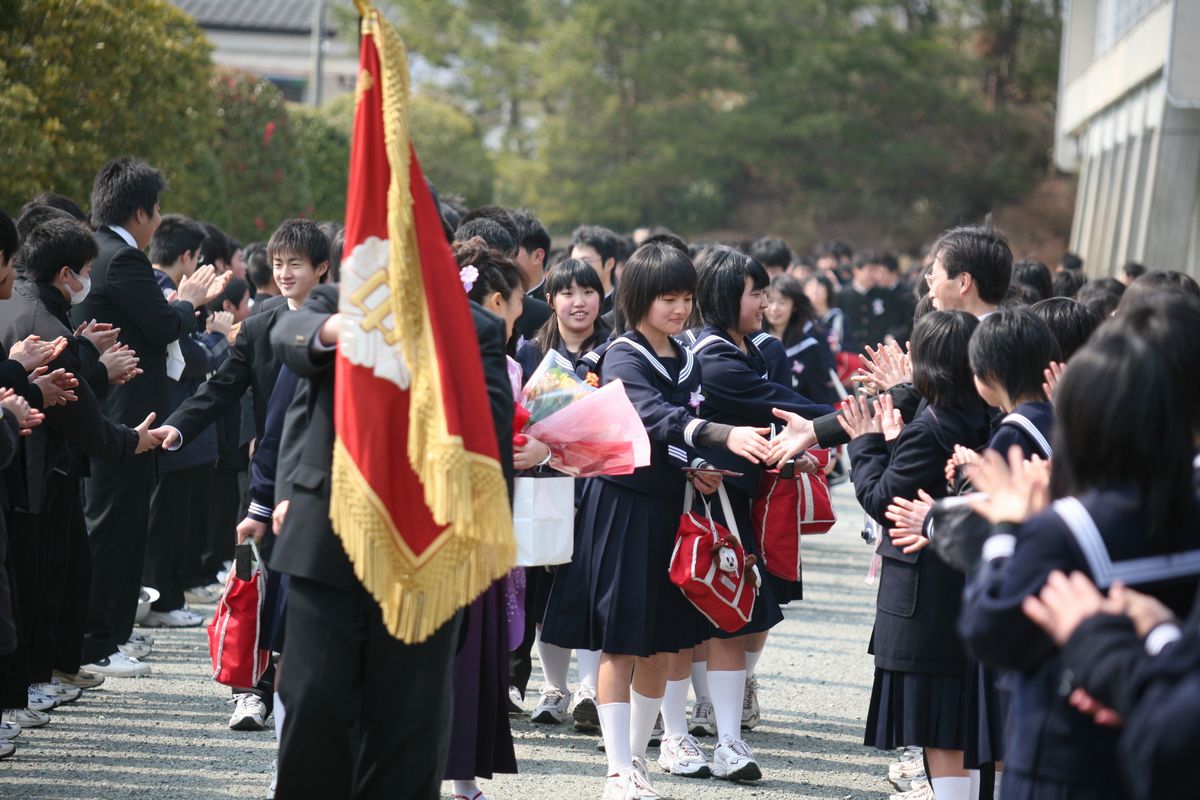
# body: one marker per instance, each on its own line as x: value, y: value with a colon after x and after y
x: 598, y: 434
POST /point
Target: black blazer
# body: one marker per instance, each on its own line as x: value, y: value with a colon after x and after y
x: 919, y: 595
x: 252, y: 364
x: 125, y: 294
x: 536, y: 312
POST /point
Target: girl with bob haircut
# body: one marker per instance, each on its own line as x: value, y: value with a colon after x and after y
x: 574, y: 293
x: 792, y: 320
x: 737, y: 392
x: 919, y: 691
x: 616, y: 595
x: 1124, y: 510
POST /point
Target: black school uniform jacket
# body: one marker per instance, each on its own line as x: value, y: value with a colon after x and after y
x: 919, y: 595
x: 125, y: 293
x: 1047, y: 737
x: 738, y: 391
x: 663, y: 397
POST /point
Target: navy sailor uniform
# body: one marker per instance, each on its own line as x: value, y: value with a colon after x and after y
x: 920, y: 667
x: 1052, y: 750
x: 616, y: 594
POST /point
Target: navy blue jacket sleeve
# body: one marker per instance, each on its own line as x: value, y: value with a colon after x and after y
x: 266, y: 454
x: 664, y: 421
x: 736, y: 391
x: 880, y: 473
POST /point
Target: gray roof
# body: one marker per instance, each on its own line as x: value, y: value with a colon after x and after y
x: 283, y: 16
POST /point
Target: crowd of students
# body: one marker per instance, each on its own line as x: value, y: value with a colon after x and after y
x: 1022, y: 442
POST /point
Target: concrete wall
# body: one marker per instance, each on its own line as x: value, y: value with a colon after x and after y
x: 287, y: 56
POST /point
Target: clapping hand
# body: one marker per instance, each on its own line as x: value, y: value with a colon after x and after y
x: 1053, y: 375
x: 31, y: 352
x: 890, y: 420
x: 57, y: 387
x: 961, y: 457
x: 884, y: 368
x: 121, y: 363
x: 798, y: 436
x: 908, y: 518
x: 1011, y: 491
x: 220, y: 322
x: 856, y: 419
x: 26, y: 415
x: 101, y: 334
x: 195, y: 288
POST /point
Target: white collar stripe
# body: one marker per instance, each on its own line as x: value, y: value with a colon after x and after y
x: 801, y: 346
x: 654, y: 362
x: 1025, y: 424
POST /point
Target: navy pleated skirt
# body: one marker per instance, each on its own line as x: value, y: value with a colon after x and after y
x: 616, y: 593
x: 986, y: 713
x: 766, y: 606
x: 912, y: 709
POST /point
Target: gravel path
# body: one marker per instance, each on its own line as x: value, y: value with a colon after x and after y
x: 165, y: 736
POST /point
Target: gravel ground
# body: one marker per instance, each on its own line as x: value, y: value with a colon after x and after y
x: 165, y: 736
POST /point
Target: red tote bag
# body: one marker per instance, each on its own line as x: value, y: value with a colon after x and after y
x: 238, y: 660
x: 787, y: 509
x: 711, y: 567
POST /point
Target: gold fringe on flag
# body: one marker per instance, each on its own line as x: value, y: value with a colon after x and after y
x: 463, y: 490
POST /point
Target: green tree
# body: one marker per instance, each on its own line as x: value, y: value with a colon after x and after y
x: 323, y: 146
x: 82, y: 81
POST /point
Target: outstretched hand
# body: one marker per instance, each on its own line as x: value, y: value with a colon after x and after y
x: 146, y: 438
x: 798, y: 436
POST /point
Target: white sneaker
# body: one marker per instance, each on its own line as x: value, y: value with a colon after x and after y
x: 656, y: 733
x: 9, y: 730
x: 201, y: 595
x: 249, y: 713
x: 733, y: 761
x: 641, y: 780
x: 585, y: 713
x: 62, y: 692
x: 751, y: 714
x: 119, y: 665
x: 552, y: 709
x: 7, y: 748
x: 703, y: 721
x: 913, y: 754
x: 179, y: 618
x: 134, y: 649
x: 39, y: 701
x: 144, y: 638
x: 922, y: 792
x: 629, y: 784
x: 681, y: 755
x: 902, y: 774
x: 81, y: 680
x: 25, y: 717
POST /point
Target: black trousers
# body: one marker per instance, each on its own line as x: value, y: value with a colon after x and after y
x: 24, y: 565
x: 225, y: 511
x: 117, y: 511
x: 64, y: 580
x: 174, y: 505
x: 342, y: 736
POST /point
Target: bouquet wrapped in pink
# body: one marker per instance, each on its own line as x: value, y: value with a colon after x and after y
x: 590, y: 431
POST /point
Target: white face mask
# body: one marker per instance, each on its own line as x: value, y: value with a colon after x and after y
x: 78, y: 297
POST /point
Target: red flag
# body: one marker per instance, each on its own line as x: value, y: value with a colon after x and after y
x: 419, y: 499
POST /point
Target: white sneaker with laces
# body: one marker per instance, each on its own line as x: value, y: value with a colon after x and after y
x: 703, y: 721
x: 552, y: 709
x: 681, y: 755
x: 902, y: 774
x: 656, y: 733
x: 733, y: 761
x: 64, y: 693
x: 201, y: 595
x: 625, y: 785
x: 641, y: 781
x: 249, y: 713
x: 585, y: 713
x: 39, y: 701
x: 751, y: 714
x: 144, y: 638
x: 9, y: 730
x: 179, y: 618
x: 119, y: 665
x: 81, y: 680
x: 922, y: 792
x: 25, y: 717
x: 134, y: 649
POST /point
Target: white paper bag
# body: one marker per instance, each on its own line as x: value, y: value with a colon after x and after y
x: 544, y: 520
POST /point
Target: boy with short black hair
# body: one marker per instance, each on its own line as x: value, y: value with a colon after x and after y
x: 601, y: 248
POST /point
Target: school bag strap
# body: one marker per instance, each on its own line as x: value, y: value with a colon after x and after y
x: 1132, y: 571
x: 1024, y: 423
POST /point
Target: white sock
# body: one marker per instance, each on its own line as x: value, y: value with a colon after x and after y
x: 996, y: 791
x: 727, y: 686
x: 751, y: 662
x: 588, y: 662
x: 614, y: 727
x: 467, y: 789
x: 700, y: 681
x: 555, y: 663
x: 951, y: 788
x: 279, y: 712
x: 975, y: 783
x: 674, y: 708
x: 642, y: 716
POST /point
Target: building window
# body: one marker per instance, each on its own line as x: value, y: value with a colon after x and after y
x: 293, y: 88
x: 1115, y: 18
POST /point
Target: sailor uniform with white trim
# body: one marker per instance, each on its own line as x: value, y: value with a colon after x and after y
x: 1051, y: 749
x: 616, y: 594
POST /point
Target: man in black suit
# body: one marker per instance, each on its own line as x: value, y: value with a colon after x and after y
x: 532, y: 248
x: 342, y: 737
x: 122, y: 291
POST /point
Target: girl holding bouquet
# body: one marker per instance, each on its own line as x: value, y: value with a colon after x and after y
x: 616, y: 595
x: 732, y: 297
x: 573, y: 290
